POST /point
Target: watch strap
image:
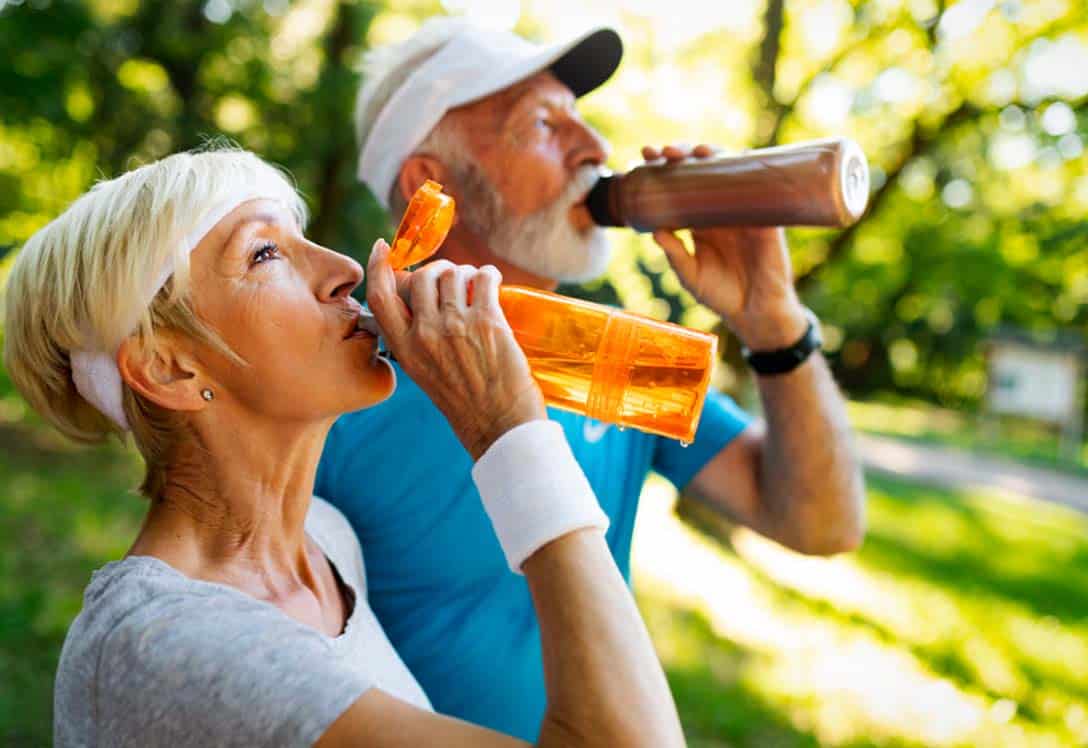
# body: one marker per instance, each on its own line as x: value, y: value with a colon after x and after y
x: 785, y: 360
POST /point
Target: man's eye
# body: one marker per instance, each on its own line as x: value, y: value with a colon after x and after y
x: 545, y: 124
x: 266, y: 251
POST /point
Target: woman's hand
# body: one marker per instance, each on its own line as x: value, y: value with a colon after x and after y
x: 453, y: 340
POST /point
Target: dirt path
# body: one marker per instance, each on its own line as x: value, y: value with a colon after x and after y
x: 954, y: 468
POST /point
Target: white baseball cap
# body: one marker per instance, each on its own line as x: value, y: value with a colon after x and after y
x: 475, y: 62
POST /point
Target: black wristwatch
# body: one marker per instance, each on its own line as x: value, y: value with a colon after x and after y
x: 783, y: 360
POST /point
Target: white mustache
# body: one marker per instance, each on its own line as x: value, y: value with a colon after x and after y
x: 583, y: 181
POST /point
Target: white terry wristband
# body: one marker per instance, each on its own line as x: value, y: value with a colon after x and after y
x: 534, y: 490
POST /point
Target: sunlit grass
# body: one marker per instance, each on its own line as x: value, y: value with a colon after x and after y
x: 65, y: 512
x: 962, y: 621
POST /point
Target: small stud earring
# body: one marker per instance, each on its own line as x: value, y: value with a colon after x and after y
x: 207, y: 394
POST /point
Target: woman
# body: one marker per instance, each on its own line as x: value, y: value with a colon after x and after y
x: 181, y: 302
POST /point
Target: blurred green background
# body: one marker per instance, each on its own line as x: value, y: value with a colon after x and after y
x: 964, y: 618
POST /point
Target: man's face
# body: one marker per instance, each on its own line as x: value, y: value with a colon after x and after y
x: 532, y: 161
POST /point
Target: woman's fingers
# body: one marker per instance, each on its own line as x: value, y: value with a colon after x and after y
x: 453, y: 298
x: 485, y: 289
x: 424, y: 290
x: 381, y: 295
x: 452, y: 288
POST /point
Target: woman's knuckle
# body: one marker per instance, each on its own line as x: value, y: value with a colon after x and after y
x: 457, y: 327
x: 423, y: 336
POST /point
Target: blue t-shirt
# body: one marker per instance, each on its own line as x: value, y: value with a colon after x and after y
x: 436, y: 576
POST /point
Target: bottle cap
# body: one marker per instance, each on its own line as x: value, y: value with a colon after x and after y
x: 427, y: 220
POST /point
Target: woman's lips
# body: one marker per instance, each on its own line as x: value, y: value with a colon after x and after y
x: 359, y: 330
x: 361, y: 335
x: 366, y: 321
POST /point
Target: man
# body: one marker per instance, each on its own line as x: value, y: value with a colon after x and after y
x: 492, y: 117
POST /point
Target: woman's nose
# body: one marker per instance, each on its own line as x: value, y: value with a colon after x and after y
x: 340, y: 275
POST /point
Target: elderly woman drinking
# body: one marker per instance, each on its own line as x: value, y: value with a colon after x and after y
x: 181, y: 302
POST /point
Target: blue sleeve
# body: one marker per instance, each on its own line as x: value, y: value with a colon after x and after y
x: 721, y: 423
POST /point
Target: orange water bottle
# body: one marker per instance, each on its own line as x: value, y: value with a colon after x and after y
x: 606, y: 363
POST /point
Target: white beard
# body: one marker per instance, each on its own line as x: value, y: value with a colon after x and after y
x: 544, y: 243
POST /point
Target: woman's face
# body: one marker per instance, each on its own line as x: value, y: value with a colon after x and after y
x: 284, y: 305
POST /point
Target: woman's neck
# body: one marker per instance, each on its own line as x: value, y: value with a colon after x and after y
x: 234, y: 507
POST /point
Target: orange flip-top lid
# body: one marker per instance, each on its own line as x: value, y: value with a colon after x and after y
x: 426, y: 222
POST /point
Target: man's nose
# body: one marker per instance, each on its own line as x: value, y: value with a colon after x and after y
x: 590, y: 147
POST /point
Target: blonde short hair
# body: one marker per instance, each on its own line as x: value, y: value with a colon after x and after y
x: 81, y: 284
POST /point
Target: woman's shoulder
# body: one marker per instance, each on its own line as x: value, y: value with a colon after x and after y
x: 326, y: 519
x: 149, y: 638
x: 328, y: 526
x: 133, y: 607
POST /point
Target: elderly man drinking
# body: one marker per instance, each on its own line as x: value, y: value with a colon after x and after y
x: 494, y: 119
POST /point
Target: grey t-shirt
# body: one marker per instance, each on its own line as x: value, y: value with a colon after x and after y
x: 156, y: 658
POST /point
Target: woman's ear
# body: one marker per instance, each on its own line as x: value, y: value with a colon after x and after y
x: 162, y: 374
x: 418, y: 169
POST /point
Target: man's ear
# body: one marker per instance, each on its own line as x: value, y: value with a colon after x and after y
x: 163, y: 375
x: 418, y: 169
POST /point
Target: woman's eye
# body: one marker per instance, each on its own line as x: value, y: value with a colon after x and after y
x: 544, y: 124
x: 266, y: 251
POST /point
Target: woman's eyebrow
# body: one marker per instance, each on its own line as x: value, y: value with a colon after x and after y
x: 264, y: 218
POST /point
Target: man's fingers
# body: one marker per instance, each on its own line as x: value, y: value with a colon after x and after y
x: 381, y: 294
x: 676, y: 152
x: 682, y: 262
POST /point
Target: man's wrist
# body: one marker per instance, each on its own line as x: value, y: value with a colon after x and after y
x: 785, y: 359
x: 772, y: 329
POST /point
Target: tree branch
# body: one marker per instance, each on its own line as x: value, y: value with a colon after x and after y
x: 330, y: 201
x: 767, y: 64
x: 921, y: 142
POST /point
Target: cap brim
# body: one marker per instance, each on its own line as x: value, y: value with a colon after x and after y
x: 590, y: 61
x: 582, y: 64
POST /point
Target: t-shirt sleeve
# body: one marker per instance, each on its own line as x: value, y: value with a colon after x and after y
x: 722, y: 421
x: 219, y: 672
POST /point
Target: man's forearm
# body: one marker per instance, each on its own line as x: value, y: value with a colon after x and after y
x: 810, y: 483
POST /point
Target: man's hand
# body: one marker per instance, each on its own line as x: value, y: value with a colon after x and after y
x: 742, y: 273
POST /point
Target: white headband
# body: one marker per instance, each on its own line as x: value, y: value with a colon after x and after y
x: 95, y: 373
x: 473, y: 64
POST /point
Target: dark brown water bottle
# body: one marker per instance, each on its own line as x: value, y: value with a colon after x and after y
x: 816, y: 183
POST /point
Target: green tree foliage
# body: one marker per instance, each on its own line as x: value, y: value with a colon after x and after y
x: 972, y: 113
x: 973, y: 117
x: 89, y: 89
